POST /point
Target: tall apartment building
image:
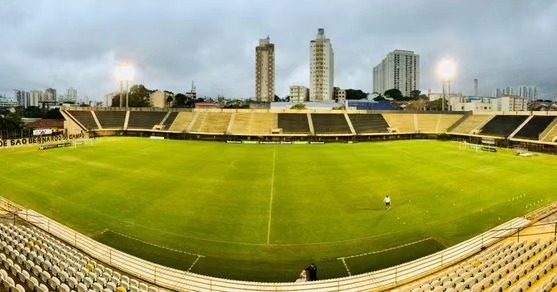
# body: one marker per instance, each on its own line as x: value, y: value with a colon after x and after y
x: 71, y: 95
x: 50, y: 95
x: 322, y: 68
x: 37, y: 97
x: 23, y: 98
x: 400, y: 70
x: 265, y: 71
x: 526, y: 91
x: 299, y: 93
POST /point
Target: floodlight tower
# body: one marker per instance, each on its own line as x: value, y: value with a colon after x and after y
x: 446, y: 70
x: 124, y: 73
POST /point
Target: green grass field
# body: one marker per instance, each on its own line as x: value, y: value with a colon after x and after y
x: 265, y: 212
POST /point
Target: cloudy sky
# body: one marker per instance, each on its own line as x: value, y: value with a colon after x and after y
x: 63, y: 43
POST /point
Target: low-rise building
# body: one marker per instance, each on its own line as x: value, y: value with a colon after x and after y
x: 299, y: 93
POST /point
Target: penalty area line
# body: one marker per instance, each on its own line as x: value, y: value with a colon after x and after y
x: 384, y: 250
x: 156, y: 245
x: 346, y: 266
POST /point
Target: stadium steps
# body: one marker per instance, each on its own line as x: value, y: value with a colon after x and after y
x: 446, y: 121
x: 402, y: 122
x: 192, y: 122
x: 127, y: 120
x: 111, y: 119
x: 472, y: 123
x: 329, y: 124
x: 86, y: 119
x: 231, y: 123
x: 42, y: 263
x: 163, y: 122
x: 310, y: 123
x: 502, y: 126
x: 459, y: 121
x: 349, y: 122
x: 209, y: 122
x: 550, y: 133
x: 68, y: 116
x: 96, y: 120
x: 169, y: 120
x: 293, y: 123
x: 369, y: 123
x: 145, y: 119
x: 520, y: 127
x: 510, y: 265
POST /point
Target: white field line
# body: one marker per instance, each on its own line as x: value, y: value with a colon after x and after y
x: 346, y: 266
x: 272, y: 194
x: 384, y: 250
x: 156, y: 245
x: 194, y: 262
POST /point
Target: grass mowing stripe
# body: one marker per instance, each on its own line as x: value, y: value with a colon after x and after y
x: 272, y: 193
x: 324, y: 202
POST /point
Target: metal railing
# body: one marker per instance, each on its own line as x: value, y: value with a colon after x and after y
x: 184, y: 281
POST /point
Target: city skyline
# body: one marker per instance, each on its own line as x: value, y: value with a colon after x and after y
x: 212, y: 43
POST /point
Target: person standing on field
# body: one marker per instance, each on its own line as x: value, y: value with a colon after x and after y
x: 387, y: 202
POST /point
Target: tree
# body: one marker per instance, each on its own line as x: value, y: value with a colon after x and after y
x: 138, y: 96
x: 169, y: 100
x: 394, y: 94
x: 53, y: 114
x: 33, y: 112
x: 379, y: 98
x: 179, y: 100
x: 415, y: 94
x: 299, y: 106
x: 355, y: 94
x: 10, y: 120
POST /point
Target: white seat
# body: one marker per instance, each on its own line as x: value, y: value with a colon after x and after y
x: 19, y: 288
x: 64, y: 288
x: 43, y: 288
x: 97, y: 287
x: 54, y: 283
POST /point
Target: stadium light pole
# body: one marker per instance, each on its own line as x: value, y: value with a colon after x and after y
x: 124, y: 73
x: 446, y: 70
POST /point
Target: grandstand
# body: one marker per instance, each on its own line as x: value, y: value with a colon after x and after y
x: 436, y: 123
x: 471, y: 123
x: 211, y: 122
x: 111, y: 119
x: 293, y: 123
x: 502, y: 125
x: 254, y: 123
x: 180, y: 122
x: 330, y: 124
x: 401, y: 123
x: 85, y: 118
x: 145, y: 120
x: 550, y: 134
x: 535, y: 126
x: 369, y: 123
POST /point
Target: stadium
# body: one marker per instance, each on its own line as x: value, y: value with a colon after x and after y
x: 244, y: 200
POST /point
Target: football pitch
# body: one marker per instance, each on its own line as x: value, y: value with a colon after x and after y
x: 265, y: 212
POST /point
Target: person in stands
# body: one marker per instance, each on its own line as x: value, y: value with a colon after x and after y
x: 311, y: 272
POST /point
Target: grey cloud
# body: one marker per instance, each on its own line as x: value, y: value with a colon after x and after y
x: 78, y: 43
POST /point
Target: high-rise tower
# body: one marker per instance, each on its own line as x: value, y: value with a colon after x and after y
x: 265, y: 70
x: 322, y: 68
x: 400, y: 70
